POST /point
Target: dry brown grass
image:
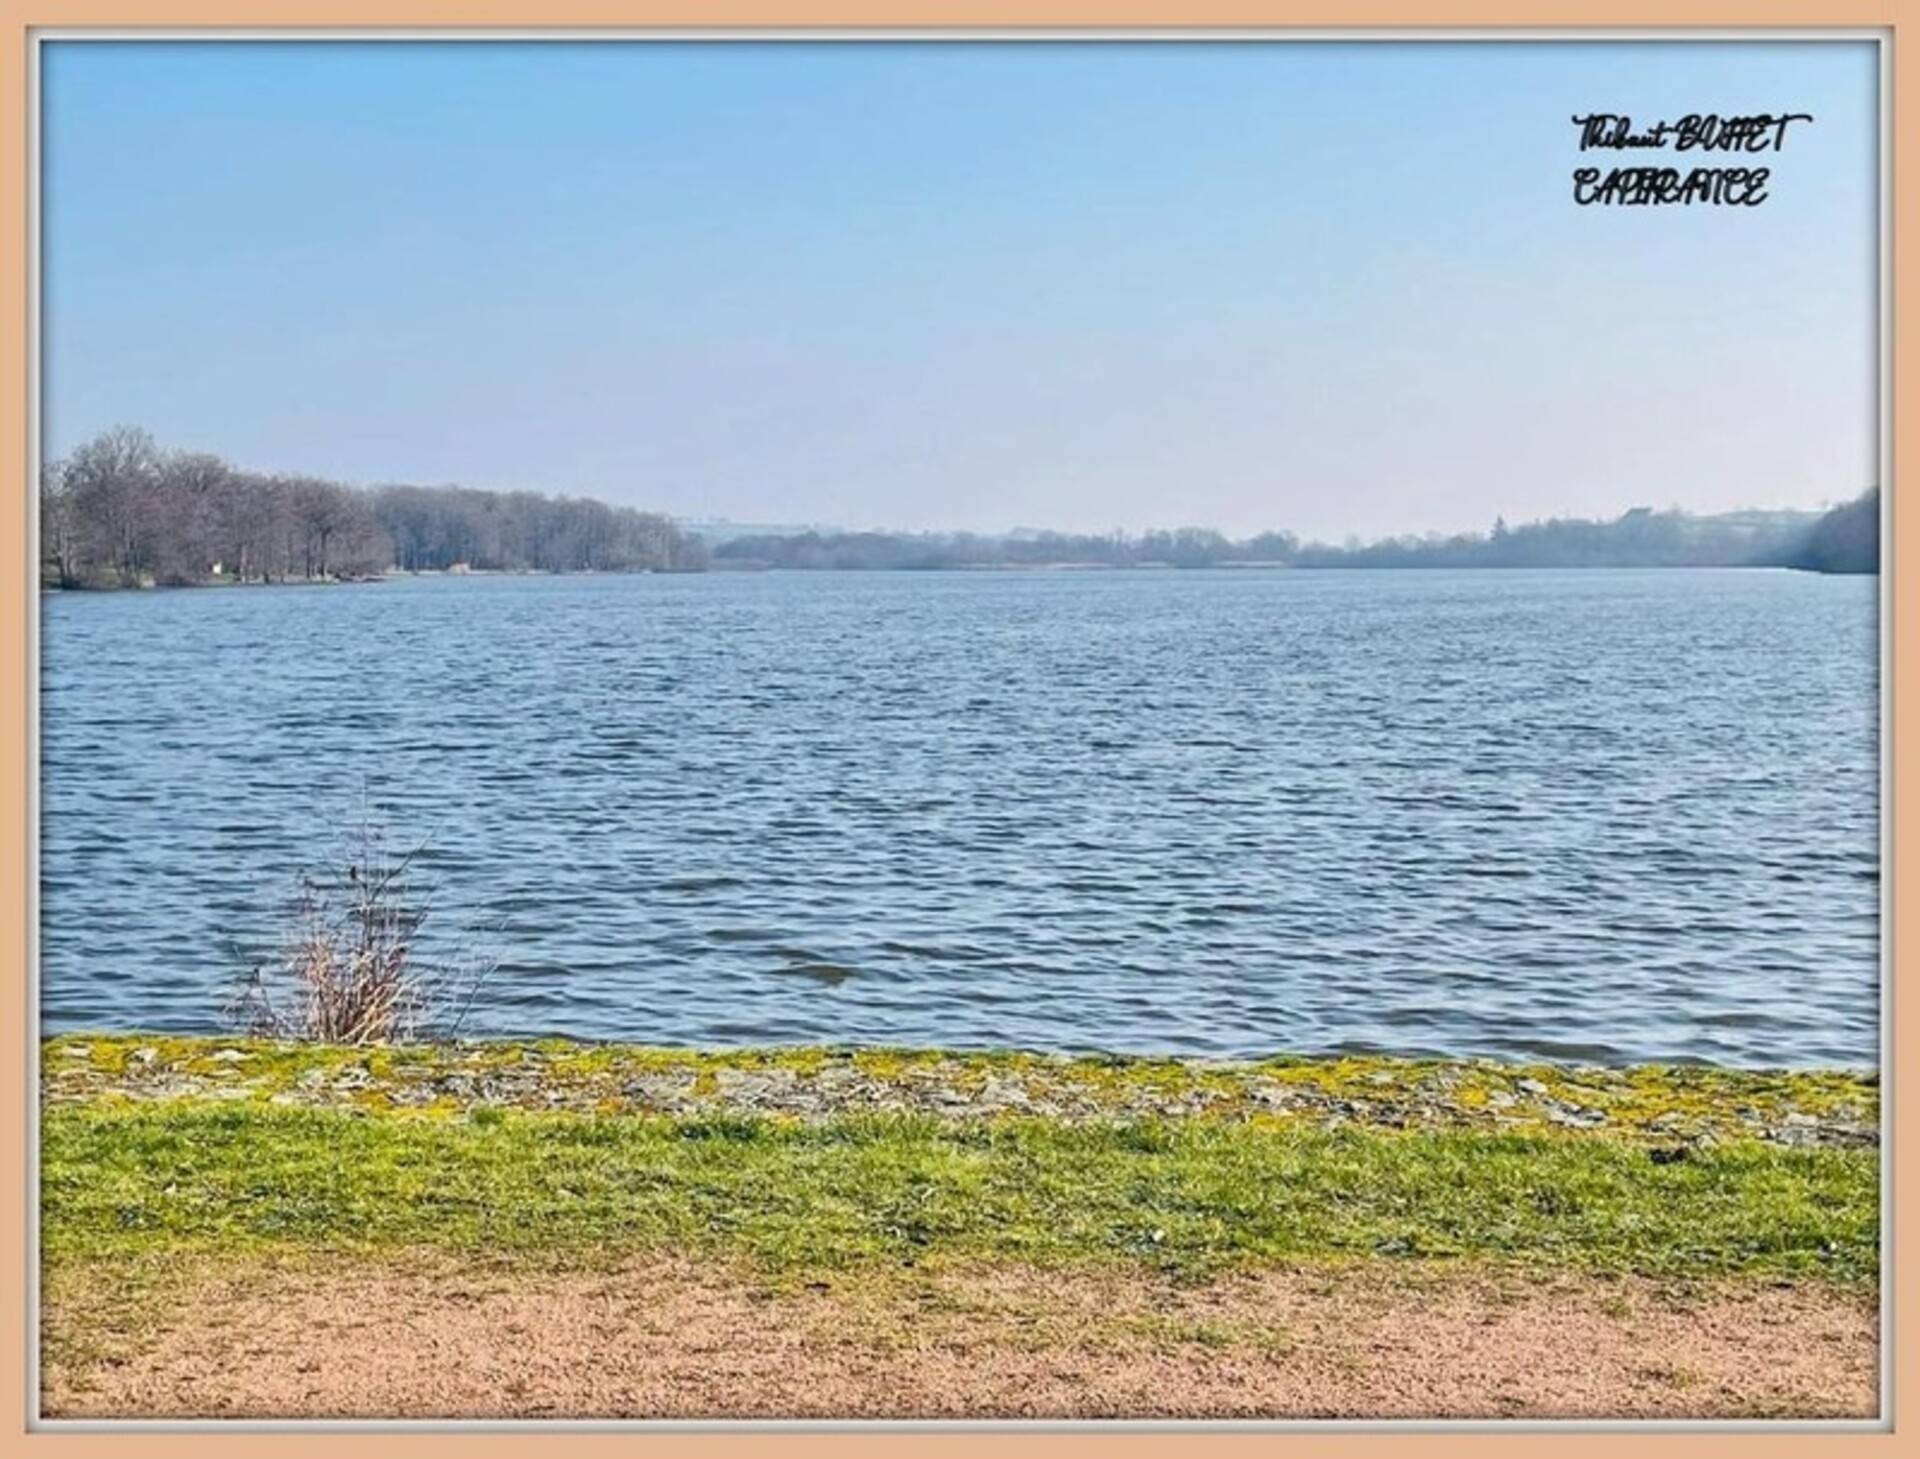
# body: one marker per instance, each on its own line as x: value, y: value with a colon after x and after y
x: 349, y: 970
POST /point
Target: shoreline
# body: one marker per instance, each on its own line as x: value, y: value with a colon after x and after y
x: 1685, y: 1104
x: 740, y: 568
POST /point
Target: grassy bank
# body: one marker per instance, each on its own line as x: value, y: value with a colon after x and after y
x: 899, y: 1188
x: 811, y: 1160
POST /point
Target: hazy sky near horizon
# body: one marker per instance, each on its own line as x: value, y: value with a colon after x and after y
x: 1338, y: 288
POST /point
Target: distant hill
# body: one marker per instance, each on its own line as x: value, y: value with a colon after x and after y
x: 715, y: 530
x: 1641, y: 537
x: 1846, y: 539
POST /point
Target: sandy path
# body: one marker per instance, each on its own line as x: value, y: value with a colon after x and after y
x: 667, y: 1338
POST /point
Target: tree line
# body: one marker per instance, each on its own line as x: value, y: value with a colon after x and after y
x: 1847, y: 539
x: 1639, y: 538
x: 119, y: 511
x: 934, y: 551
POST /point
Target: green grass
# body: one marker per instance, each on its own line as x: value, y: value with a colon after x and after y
x: 136, y: 1180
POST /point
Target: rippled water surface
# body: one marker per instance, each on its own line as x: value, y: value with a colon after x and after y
x: 1599, y: 815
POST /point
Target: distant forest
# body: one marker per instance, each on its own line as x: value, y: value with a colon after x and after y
x: 1844, y: 540
x: 122, y: 512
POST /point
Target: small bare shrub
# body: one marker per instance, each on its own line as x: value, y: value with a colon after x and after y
x: 349, y: 970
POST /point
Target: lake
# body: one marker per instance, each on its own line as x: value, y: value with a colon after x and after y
x: 1605, y: 816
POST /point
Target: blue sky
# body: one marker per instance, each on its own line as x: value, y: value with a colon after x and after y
x: 1337, y: 288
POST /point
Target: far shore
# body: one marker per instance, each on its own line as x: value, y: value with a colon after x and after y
x: 750, y: 569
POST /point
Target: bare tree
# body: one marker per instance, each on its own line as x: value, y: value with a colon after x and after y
x: 57, y: 544
x: 186, y: 501
x: 109, y: 481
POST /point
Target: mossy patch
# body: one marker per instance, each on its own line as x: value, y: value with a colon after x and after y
x: 1687, y: 1105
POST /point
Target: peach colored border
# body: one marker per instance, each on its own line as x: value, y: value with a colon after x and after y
x: 1902, y: 628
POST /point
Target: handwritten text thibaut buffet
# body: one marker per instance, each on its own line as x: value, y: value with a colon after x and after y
x: 1644, y: 186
